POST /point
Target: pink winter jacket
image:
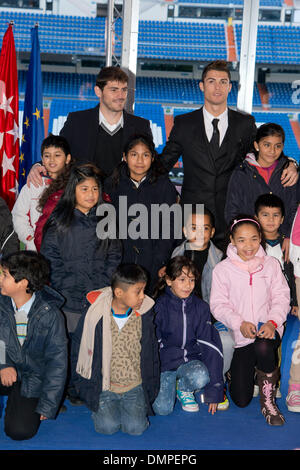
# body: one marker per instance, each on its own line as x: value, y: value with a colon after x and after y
x: 254, y: 291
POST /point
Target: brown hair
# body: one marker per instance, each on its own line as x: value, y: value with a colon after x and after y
x: 220, y: 65
x: 110, y: 74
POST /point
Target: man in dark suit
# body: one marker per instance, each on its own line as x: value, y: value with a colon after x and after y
x: 98, y: 134
x: 212, y: 141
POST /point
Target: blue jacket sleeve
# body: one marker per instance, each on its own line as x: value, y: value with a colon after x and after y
x: 209, y: 341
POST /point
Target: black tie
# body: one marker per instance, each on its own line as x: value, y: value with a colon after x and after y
x: 215, y: 140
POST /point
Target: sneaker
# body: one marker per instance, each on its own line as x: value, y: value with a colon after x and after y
x: 224, y: 405
x: 293, y: 400
x: 187, y: 400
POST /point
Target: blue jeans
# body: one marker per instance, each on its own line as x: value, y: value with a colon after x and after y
x: 121, y: 411
x: 191, y: 376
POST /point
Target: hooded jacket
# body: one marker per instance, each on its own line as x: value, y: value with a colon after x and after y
x: 255, y: 291
x: 41, y: 362
x: 185, y: 333
x: 79, y: 260
x: 214, y: 256
x: 91, y: 350
x: 246, y: 184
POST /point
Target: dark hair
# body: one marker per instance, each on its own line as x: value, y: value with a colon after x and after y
x: 243, y: 219
x: 220, y: 65
x: 206, y: 211
x: 266, y: 130
x: 128, y: 274
x: 60, y: 182
x: 269, y: 200
x: 28, y: 265
x: 156, y: 167
x: 110, y: 74
x: 57, y: 141
x: 174, y: 269
x: 62, y: 215
x: 240, y: 219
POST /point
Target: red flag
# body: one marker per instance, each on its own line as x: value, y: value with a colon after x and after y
x: 9, y: 120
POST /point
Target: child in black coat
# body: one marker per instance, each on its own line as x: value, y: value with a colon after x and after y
x: 140, y: 184
x: 33, y: 344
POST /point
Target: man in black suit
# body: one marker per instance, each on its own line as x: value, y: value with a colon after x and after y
x: 212, y: 141
x: 98, y: 134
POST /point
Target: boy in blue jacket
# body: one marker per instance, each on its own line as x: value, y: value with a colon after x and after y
x: 33, y: 344
x: 190, y: 347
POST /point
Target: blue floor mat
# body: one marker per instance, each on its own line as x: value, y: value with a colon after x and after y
x: 234, y: 429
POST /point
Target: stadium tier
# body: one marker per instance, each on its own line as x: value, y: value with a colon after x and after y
x: 164, y: 40
x: 275, y: 44
x: 263, y: 3
x: 162, y: 89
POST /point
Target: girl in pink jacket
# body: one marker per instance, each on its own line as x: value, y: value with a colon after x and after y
x: 250, y: 296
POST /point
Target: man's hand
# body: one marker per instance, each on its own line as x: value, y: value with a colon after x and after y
x: 8, y: 376
x: 35, y: 177
x: 286, y: 249
x: 289, y: 175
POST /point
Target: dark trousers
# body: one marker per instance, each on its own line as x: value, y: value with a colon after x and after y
x: 20, y: 419
x: 262, y: 354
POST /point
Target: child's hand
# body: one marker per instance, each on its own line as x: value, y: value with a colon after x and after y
x: 8, y: 376
x: 247, y: 329
x: 42, y: 417
x: 212, y: 408
x: 267, y: 331
x: 294, y: 311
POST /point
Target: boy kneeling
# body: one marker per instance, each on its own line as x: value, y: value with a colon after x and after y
x: 115, y: 360
x: 33, y: 344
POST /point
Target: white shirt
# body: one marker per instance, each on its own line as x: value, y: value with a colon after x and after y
x: 222, y: 124
x: 110, y: 127
x: 21, y: 317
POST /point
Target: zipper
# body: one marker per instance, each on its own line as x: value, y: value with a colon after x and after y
x: 184, y: 330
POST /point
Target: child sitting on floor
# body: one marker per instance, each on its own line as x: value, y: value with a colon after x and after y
x: 190, y: 347
x: 250, y: 295
x: 33, y: 344
x: 115, y: 361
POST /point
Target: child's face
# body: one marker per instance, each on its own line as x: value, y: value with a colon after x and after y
x: 133, y: 296
x: 247, y: 240
x: 269, y: 150
x: 139, y: 160
x: 86, y: 194
x: 183, y: 285
x: 270, y: 219
x: 54, y: 160
x: 8, y: 285
x: 198, y: 231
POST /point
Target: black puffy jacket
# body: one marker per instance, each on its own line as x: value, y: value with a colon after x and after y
x: 246, y: 184
x: 41, y: 362
x: 80, y: 262
x: 151, y: 252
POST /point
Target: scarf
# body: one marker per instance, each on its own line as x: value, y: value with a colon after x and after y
x: 101, y: 308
